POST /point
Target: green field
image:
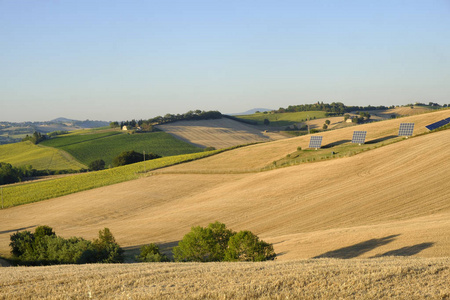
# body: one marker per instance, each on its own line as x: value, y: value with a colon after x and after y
x: 40, y: 157
x: 37, y: 191
x: 283, y: 119
x: 87, y: 147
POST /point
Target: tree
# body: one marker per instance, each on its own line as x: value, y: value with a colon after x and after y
x: 246, y: 246
x: 108, y: 251
x: 266, y: 122
x: 151, y: 253
x: 131, y: 157
x: 327, y: 122
x: 324, y: 127
x: 203, y: 244
x: 114, y: 124
x: 97, y: 165
x: 9, y: 174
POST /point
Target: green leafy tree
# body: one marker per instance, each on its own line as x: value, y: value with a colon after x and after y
x: 203, y: 244
x: 151, y: 253
x: 266, y: 122
x: 327, y: 122
x: 108, y: 251
x: 245, y: 246
x: 325, y: 127
x: 97, y: 165
x: 131, y: 157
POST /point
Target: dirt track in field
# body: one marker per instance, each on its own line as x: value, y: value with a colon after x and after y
x: 391, y: 200
x: 221, y: 133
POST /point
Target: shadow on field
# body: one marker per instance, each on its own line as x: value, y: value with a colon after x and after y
x: 337, y: 143
x: 406, y: 251
x: 358, y: 249
x: 132, y: 251
x: 17, y: 229
x: 381, y: 139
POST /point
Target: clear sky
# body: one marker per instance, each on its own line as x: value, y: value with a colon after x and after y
x: 119, y: 60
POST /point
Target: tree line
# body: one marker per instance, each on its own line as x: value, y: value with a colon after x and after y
x: 190, y: 115
x: 334, y: 108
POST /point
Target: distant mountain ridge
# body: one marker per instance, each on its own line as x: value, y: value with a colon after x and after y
x: 251, y: 111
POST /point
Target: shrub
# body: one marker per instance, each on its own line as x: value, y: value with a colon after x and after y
x: 97, y: 165
x: 203, y: 244
x: 131, y: 157
x: 245, y: 246
x: 209, y: 149
x: 151, y: 253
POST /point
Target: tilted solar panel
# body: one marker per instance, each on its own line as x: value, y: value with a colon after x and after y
x: 359, y: 137
x: 406, y: 129
x: 438, y: 124
x: 315, y: 142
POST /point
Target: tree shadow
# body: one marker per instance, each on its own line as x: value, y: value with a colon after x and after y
x: 358, y: 249
x: 17, y: 229
x: 337, y: 143
x: 406, y: 251
x: 132, y: 251
x: 382, y: 139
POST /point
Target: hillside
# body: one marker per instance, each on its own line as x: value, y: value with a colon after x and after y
x: 89, y: 146
x: 38, y: 156
x: 219, y: 133
x: 390, y: 200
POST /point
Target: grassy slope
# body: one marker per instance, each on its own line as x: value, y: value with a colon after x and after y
x: 283, y: 119
x: 41, y: 158
x: 394, y: 198
x: 107, y: 145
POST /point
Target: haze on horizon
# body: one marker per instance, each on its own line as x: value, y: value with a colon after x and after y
x: 119, y: 60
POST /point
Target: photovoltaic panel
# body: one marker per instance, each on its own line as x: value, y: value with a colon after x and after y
x: 438, y: 124
x: 406, y: 129
x: 315, y: 142
x: 359, y: 137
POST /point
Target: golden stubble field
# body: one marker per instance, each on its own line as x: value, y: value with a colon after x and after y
x: 220, y: 133
x: 390, y: 201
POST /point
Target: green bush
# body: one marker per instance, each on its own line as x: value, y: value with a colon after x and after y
x: 131, y: 157
x: 245, y: 246
x: 97, y: 165
x: 203, y: 244
x: 217, y: 243
x: 151, y: 253
x: 43, y: 247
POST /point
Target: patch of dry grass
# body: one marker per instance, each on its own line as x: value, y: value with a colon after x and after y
x: 383, y: 278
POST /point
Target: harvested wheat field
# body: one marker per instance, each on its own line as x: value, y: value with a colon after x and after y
x: 385, y: 278
x: 389, y: 201
x: 220, y: 133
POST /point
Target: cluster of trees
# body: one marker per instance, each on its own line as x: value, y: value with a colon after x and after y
x: 131, y: 157
x: 44, y: 247
x: 217, y: 243
x: 35, y: 138
x: 326, y: 124
x: 190, y: 115
x: 335, y: 108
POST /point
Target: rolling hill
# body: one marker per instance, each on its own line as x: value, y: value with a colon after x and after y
x: 392, y: 200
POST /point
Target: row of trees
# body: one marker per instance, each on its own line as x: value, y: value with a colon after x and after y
x: 335, y: 108
x: 44, y: 247
x: 35, y: 138
x: 190, y: 115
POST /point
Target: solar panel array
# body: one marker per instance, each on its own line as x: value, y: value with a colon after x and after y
x: 438, y: 124
x: 406, y: 129
x: 359, y: 137
x: 315, y: 142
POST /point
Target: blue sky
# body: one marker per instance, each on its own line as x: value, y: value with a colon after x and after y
x: 119, y: 60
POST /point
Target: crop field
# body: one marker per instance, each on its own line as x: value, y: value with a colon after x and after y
x: 220, y: 133
x: 41, y: 158
x: 383, y: 278
x: 283, y: 119
x: 367, y: 226
x: 107, y: 145
x: 37, y: 191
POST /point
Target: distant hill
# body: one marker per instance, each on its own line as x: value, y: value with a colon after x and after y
x: 251, y: 111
